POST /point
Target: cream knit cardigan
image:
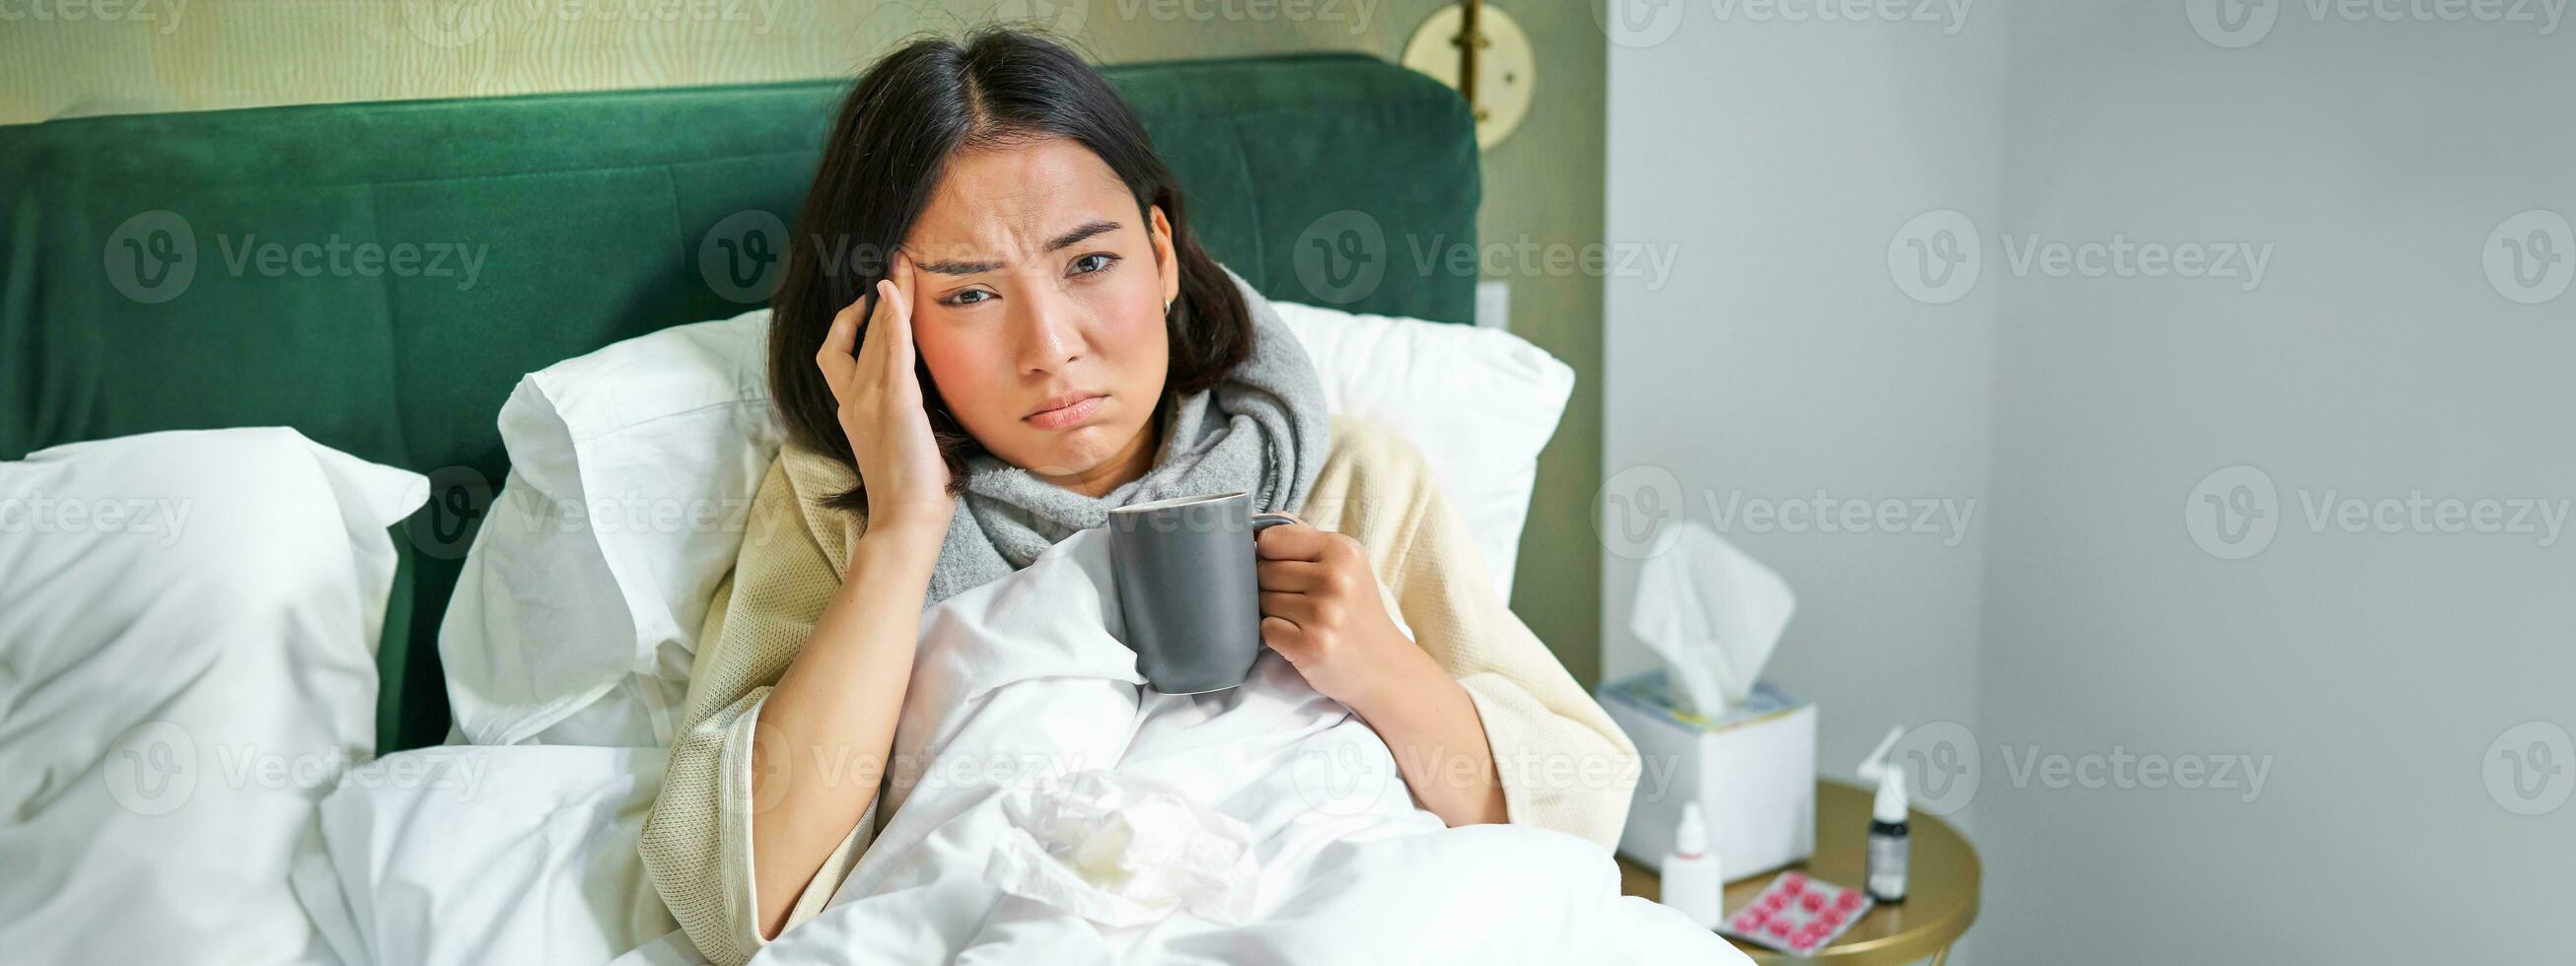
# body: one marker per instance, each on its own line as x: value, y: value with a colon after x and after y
x: 1563, y: 764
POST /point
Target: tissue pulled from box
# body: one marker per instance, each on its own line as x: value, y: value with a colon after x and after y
x: 1123, y: 851
x: 1712, y: 612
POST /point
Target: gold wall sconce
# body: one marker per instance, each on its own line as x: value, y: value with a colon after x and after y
x: 1481, y: 51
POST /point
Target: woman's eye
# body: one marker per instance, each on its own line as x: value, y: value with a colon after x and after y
x: 968, y: 297
x: 1093, y: 262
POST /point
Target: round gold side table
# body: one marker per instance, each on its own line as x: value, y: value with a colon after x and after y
x: 1940, y: 894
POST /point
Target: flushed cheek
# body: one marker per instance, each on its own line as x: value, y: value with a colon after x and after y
x: 1135, y: 346
x: 973, y: 382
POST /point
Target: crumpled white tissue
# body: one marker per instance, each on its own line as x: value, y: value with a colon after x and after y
x: 1712, y: 612
x: 1123, y: 851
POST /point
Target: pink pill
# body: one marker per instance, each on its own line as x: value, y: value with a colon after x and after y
x: 1775, y: 900
x: 1780, y: 929
x: 1848, y: 901
x: 1793, y: 883
x: 1813, y: 901
x: 1831, y: 918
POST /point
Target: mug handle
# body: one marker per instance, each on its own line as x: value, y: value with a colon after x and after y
x: 1266, y: 519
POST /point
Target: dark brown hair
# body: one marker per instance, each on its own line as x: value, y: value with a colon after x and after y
x: 907, y: 115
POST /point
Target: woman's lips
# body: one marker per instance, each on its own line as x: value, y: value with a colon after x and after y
x: 1066, y: 416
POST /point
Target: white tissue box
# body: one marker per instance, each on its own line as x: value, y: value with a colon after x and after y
x: 1754, y: 770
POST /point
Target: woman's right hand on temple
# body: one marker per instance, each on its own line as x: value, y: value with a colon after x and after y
x: 881, y: 410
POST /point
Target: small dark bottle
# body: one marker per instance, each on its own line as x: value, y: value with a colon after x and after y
x: 1890, y: 841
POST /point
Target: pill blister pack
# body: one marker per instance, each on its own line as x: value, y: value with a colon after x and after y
x: 1797, y: 915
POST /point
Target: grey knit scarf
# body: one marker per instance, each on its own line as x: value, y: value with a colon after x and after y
x: 1263, y: 429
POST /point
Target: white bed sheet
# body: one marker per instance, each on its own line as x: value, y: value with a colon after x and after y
x: 1018, y: 679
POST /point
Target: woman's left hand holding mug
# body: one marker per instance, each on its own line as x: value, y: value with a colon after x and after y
x: 1320, y: 609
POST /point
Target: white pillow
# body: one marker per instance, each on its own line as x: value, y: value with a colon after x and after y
x: 466, y: 855
x: 631, y: 474
x: 188, y: 626
x: 1479, y: 403
x: 571, y: 626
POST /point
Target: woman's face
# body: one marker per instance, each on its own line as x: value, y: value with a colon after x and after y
x: 1038, y: 309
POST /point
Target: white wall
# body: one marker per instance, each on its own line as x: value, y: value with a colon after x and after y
x: 2379, y: 679
x: 1773, y: 160
x: 2375, y: 360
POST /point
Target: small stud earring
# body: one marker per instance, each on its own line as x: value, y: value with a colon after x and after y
x: 1167, y: 306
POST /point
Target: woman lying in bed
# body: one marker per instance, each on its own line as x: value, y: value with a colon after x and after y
x: 1042, y: 340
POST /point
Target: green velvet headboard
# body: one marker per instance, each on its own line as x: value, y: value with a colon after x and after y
x: 138, y: 292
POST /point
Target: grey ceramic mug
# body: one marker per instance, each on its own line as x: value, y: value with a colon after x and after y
x: 1188, y: 589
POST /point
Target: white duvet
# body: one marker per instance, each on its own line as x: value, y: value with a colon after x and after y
x: 1024, y: 678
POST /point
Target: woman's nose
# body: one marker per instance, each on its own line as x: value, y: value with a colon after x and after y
x: 1051, y: 335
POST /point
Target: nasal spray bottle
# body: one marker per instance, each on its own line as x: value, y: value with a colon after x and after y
x: 1692, y: 881
x: 1890, y: 841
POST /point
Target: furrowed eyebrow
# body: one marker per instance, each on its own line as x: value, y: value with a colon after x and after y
x: 957, y: 268
x: 1088, y: 229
